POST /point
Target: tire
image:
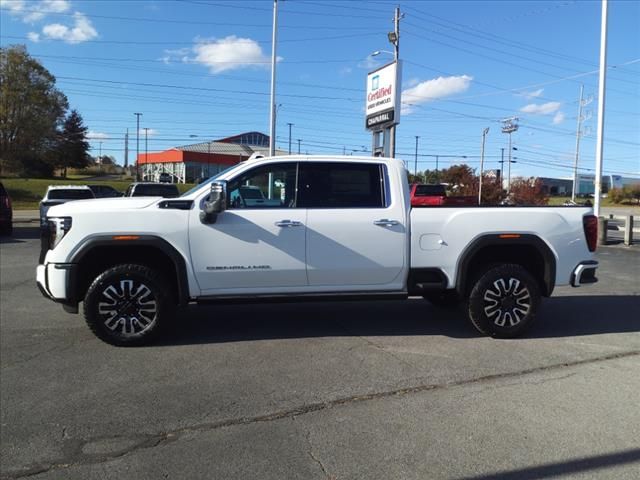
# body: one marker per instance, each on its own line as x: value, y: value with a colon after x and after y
x: 443, y: 299
x: 504, y: 301
x: 128, y: 305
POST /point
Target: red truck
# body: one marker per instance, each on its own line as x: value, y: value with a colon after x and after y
x: 435, y: 195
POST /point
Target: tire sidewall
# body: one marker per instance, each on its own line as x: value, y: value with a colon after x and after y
x: 152, y: 279
x: 476, y: 302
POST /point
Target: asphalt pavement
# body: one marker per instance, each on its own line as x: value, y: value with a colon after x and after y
x: 329, y: 390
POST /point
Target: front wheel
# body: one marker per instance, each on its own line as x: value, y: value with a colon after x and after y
x: 504, y: 301
x: 128, y: 305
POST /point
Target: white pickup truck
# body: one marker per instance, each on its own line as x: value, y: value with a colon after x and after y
x: 333, y: 228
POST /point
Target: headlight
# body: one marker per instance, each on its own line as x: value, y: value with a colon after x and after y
x: 58, y: 228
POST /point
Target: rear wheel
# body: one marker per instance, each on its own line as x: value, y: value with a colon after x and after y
x: 504, y: 301
x: 128, y: 305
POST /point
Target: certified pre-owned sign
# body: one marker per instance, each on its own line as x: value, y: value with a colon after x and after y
x: 383, y: 96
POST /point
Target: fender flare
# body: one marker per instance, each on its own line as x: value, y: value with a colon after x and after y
x: 161, y: 244
x: 498, y: 239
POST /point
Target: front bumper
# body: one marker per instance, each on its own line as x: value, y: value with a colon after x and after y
x: 56, y: 281
x: 584, y: 273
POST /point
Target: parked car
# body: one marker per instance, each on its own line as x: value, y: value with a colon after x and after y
x: 6, y: 212
x: 344, y: 230
x: 165, y: 178
x: 423, y: 195
x: 152, y: 189
x: 104, y: 191
x: 58, y: 194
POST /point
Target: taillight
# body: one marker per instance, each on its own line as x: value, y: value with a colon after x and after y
x: 590, y: 224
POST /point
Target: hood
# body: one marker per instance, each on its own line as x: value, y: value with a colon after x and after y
x: 101, y: 205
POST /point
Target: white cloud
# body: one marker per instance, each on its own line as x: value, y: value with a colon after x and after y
x: 558, y: 118
x: 530, y: 95
x: 81, y: 31
x: 229, y: 53
x: 34, y: 11
x: 434, y: 89
x: 14, y: 7
x: 345, y: 71
x: 33, y: 36
x: 541, y: 109
x: 91, y: 135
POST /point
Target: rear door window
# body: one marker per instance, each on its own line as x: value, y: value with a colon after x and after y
x: 342, y: 185
x: 74, y: 194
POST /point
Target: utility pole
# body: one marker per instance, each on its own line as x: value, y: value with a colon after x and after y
x: 100, y: 152
x: 437, y: 172
x: 126, y: 150
x: 272, y: 132
x: 299, y: 140
x: 395, y: 39
x: 500, y: 177
x: 509, y: 125
x: 484, y: 136
x: 290, y: 125
x: 578, y: 133
x: 601, y: 92
x: 137, y: 145
x: 415, y: 166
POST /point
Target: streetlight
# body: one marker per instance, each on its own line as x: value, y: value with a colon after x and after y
x: 137, y: 145
x: 290, y: 125
x: 484, y: 137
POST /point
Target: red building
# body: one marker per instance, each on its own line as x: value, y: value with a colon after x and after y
x: 191, y: 163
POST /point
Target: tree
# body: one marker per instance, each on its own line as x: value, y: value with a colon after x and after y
x: 528, y: 192
x: 461, y: 180
x: 73, y: 148
x: 31, y: 111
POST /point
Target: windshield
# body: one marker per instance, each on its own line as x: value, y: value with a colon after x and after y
x: 208, y: 182
x: 155, y: 190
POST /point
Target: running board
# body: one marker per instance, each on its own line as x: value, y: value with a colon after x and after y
x: 301, y: 297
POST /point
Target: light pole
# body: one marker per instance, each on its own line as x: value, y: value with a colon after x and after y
x: 290, y: 125
x: 146, y: 145
x: 415, y: 165
x: 272, y: 109
x: 137, y: 145
x: 602, y: 78
x: 484, y: 137
x: 299, y: 140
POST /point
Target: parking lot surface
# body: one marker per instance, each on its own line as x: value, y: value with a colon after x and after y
x: 332, y: 390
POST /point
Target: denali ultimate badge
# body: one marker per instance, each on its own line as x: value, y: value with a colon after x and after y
x: 241, y: 267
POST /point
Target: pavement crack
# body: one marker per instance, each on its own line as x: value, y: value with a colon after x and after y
x: 77, y: 452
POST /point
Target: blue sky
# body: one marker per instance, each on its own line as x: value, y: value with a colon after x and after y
x: 199, y: 70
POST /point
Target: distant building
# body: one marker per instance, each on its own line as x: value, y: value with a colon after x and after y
x: 191, y: 163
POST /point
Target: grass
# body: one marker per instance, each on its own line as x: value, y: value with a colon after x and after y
x: 26, y: 193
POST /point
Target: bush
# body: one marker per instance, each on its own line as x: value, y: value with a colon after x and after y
x: 616, y: 195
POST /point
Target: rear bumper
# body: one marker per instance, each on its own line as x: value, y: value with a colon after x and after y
x: 584, y: 273
x: 56, y: 282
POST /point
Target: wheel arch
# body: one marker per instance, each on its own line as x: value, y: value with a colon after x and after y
x: 102, y: 252
x: 527, y: 250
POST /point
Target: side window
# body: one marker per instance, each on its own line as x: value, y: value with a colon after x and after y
x: 270, y: 186
x: 341, y: 185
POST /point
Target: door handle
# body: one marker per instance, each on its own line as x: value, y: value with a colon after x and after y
x: 385, y: 222
x: 288, y: 223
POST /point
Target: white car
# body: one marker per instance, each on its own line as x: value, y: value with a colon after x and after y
x: 343, y: 228
x: 58, y: 194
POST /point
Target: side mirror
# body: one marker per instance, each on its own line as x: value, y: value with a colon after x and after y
x: 215, y: 203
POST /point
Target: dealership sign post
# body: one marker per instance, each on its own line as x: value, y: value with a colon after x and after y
x: 382, y: 107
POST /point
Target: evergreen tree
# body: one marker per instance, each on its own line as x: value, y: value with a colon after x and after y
x: 73, y: 148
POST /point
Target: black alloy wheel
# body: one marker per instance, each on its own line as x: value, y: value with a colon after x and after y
x: 128, y: 305
x: 504, y: 301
